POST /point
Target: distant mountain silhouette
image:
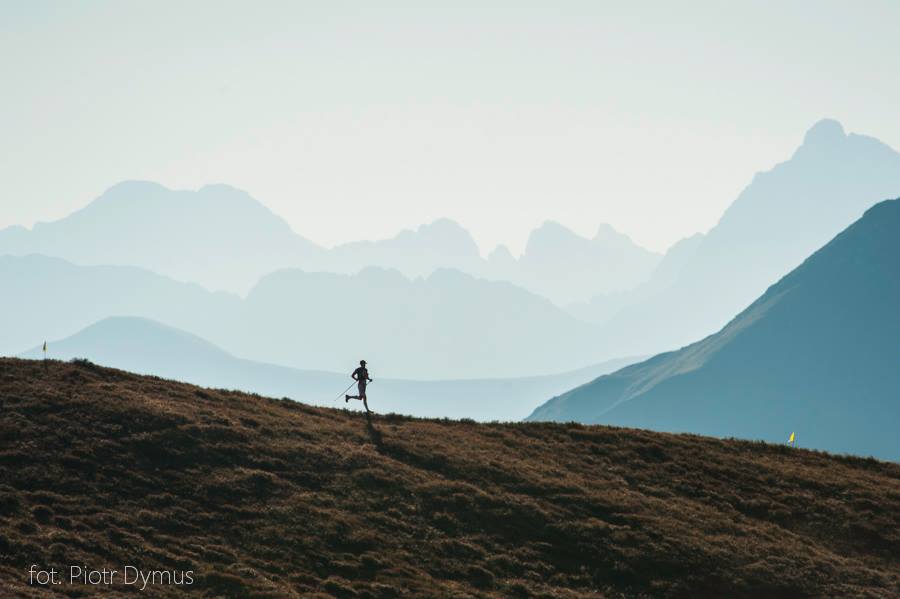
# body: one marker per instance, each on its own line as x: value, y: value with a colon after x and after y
x: 818, y: 353
x: 440, y: 244
x: 449, y: 325
x: 778, y: 220
x: 223, y: 239
x: 557, y: 263
x: 51, y: 298
x: 148, y: 347
x: 565, y: 267
x: 217, y: 236
x: 602, y: 308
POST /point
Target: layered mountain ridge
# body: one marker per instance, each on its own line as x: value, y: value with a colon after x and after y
x: 782, y: 217
x: 818, y: 354
x: 223, y: 239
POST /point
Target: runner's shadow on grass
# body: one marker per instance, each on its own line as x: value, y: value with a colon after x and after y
x: 374, y: 433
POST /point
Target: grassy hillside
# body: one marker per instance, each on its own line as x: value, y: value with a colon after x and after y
x: 148, y: 347
x: 272, y: 498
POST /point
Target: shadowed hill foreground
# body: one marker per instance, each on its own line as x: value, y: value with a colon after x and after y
x: 263, y: 497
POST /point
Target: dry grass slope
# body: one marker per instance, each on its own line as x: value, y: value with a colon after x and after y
x: 270, y: 498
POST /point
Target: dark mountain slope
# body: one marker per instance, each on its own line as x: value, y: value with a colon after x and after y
x: 818, y: 353
x: 263, y: 497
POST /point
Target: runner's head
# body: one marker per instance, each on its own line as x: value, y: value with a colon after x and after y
x: 362, y: 362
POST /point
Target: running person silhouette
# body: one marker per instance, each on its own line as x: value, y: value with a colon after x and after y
x: 361, y: 375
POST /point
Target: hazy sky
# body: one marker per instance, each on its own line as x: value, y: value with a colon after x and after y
x: 356, y: 119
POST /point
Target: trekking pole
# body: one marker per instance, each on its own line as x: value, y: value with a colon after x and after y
x: 343, y: 392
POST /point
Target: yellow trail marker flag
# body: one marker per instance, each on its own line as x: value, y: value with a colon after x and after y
x: 791, y: 440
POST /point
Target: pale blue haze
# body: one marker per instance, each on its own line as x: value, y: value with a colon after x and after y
x: 354, y: 120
